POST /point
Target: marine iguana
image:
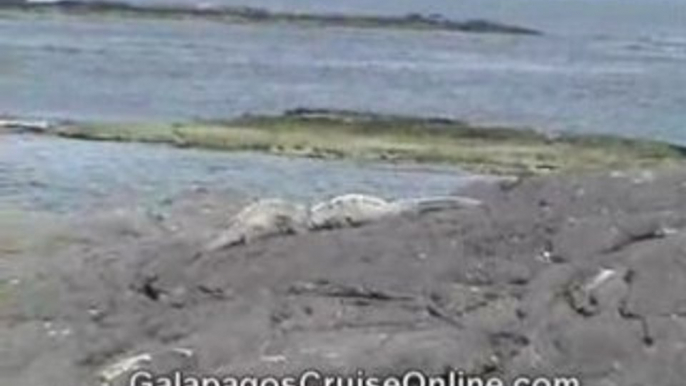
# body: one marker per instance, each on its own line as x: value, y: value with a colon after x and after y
x: 271, y: 217
x: 359, y: 209
x: 263, y: 218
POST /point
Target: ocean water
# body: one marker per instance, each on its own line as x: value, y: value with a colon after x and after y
x: 610, y: 66
x: 616, y: 66
x: 60, y: 175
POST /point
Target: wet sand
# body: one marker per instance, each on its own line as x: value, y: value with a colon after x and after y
x: 579, y: 275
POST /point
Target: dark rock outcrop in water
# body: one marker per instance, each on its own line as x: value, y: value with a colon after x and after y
x: 259, y: 15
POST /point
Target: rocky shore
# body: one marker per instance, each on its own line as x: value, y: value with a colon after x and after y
x: 368, y: 136
x: 580, y: 275
x: 263, y: 16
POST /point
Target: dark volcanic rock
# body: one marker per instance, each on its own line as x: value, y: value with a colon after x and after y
x: 576, y: 275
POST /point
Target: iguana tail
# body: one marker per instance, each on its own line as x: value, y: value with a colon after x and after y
x: 430, y: 204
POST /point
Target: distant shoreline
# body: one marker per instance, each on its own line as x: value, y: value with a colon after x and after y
x: 237, y: 14
x: 341, y: 134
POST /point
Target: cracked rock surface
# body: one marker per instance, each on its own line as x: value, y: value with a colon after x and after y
x: 575, y: 275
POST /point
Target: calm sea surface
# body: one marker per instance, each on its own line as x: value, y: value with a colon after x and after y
x: 614, y: 66
x: 60, y: 175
